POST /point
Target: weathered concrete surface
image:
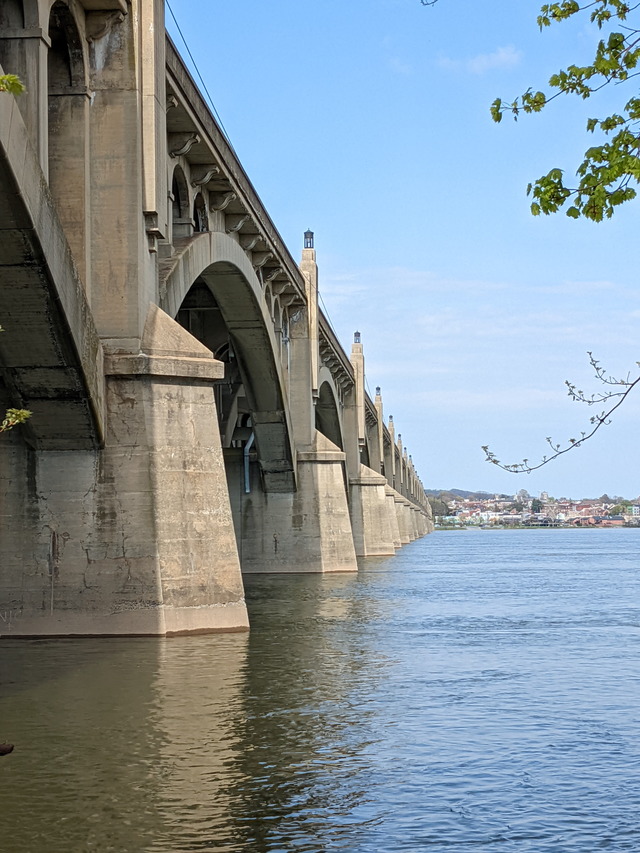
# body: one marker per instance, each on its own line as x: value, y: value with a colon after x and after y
x: 305, y: 531
x: 393, y: 516
x: 371, y: 516
x: 409, y: 513
x: 137, y: 537
x: 403, y: 521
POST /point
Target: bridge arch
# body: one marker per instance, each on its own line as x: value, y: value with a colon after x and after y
x: 200, y: 218
x: 268, y: 298
x: 277, y: 314
x: 328, y: 420
x: 212, y: 289
x: 180, y: 206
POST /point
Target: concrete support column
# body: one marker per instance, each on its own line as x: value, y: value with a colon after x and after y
x: 390, y: 455
x: 408, y: 514
x: 308, y: 530
x: 123, y: 272
x: 357, y: 360
x: 393, y: 517
x: 379, y: 443
x: 304, y: 352
x: 402, y: 519
x: 153, y: 112
x: 373, y: 533
x: 135, y: 538
x: 414, y: 522
x: 300, y: 369
x: 309, y: 269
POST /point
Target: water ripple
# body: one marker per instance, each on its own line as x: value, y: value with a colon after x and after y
x: 478, y: 692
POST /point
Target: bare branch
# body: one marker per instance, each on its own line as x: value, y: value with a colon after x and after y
x: 596, y: 421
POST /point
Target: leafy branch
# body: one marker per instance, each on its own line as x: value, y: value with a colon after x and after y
x: 12, y: 84
x: 13, y: 417
x: 611, y: 400
x: 609, y: 171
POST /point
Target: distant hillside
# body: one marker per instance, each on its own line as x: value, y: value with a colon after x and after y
x: 452, y: 494
x: 448, y: 495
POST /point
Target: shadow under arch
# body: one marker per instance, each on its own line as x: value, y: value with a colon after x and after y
x: 365, y: 456
x: 211, y: 289
x: 327, y: 414
x: 182, y: 224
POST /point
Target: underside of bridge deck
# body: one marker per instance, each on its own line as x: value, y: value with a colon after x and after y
x: 50, y: 353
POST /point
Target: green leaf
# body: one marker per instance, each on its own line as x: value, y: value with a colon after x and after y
x: 11, y: 84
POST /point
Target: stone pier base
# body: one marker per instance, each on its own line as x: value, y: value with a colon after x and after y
x: 308, y: 530
x: 374, y: 531
x: 401, y: 516
x: 136, y: 537
x: 390, y: 497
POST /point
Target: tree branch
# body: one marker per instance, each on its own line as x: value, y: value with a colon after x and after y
x: 597, y: 421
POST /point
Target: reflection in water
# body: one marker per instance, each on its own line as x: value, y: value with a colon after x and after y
x: 83, y: 776
x: 305, y: 735
x: 198, y: 698
x: 477, y: 692
x: 181, y: 744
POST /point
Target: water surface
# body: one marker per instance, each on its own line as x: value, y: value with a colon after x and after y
x: 479, y: 691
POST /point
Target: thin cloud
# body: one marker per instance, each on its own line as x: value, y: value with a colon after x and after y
x: 396, y: 278
x: 503, y: 57
x: 497, y: 401
x: 574, y: 287
x: 398, y: 66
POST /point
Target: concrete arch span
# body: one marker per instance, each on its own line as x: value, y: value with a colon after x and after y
x: 299, y: 520
x: 216, y: 262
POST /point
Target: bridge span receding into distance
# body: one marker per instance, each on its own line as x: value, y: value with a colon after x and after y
x: 194, y: 415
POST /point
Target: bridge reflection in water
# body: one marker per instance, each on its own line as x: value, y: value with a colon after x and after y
x: 197, y: 743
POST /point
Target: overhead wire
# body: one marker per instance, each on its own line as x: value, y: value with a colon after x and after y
x: 326, y: 314
x: 200, y: 77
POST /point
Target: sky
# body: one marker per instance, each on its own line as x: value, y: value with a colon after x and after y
x: 368, y: 122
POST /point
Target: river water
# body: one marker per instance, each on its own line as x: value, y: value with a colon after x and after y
x: 478, y: 692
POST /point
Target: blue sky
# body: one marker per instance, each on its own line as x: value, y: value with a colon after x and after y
x: 368, y: 122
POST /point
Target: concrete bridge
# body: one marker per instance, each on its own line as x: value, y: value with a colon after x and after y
x: 194, y: 415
